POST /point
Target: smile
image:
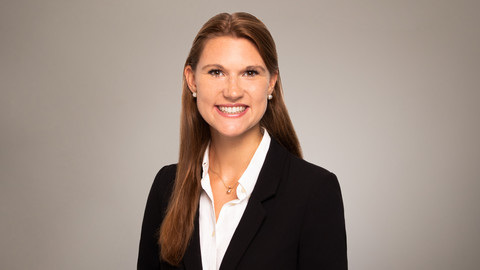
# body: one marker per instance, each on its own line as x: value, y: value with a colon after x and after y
x: 232, y: 110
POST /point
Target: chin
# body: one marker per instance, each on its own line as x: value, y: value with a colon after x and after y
x: 234, y: 132
x: 231, y: 134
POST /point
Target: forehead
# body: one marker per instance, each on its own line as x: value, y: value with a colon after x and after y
x: 228, y: 50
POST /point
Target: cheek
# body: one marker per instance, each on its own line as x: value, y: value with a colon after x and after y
x: 260, y: 92
x: 203, y: 109
x: 203, y: 104
x: 208, y: 89
x: 263, y: 104
x: 206, y: 101
x: 205, y: 91
x: 260, y: 101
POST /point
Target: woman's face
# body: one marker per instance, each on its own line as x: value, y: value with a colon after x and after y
x: 232, y: 85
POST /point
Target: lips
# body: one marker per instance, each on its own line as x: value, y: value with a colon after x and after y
x: 232, y: 109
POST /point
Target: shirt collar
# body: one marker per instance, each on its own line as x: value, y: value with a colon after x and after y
x: 247, y: 181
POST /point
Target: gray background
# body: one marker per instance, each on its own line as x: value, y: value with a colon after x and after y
x: 383, y: 93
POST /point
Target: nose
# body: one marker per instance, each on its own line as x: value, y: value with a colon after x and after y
x: 233, y: 89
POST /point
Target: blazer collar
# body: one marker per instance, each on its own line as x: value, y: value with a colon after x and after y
x: 266, y: 186
x: 254, y: 214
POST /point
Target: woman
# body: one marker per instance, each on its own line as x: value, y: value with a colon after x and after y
x: 240, y: 196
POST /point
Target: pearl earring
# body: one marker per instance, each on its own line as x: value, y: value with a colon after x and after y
x: 270, y: 97
x: 194, y: 94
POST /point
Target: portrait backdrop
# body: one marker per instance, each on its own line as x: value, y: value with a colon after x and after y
x: 383, y: 93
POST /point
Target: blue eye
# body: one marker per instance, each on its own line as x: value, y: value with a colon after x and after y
x: 251, y: 73
x: 215, y: 72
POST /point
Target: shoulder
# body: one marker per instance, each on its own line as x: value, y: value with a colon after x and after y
x: 323, y: 184
x: 300, y: 179
x: 168, y: 170
x: 163, y: 184
x: 313, y: 174
x: 308, y: 169
x: 166, y: 176
x: 307, y: 179
x: 298, y: 170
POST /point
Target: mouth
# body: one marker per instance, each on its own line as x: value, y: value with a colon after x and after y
x: 232, y: 109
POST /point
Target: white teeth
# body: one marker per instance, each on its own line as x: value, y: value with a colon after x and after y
x: 232, y: 110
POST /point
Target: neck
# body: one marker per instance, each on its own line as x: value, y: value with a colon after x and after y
x: 230, y: 156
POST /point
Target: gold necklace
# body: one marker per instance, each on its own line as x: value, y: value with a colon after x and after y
x: 229, y: 188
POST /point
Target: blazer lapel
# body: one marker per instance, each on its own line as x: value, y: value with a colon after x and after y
x: 192, y: 258
x: 254, y: 214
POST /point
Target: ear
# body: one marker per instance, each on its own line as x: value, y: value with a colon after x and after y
x: 273, y: 81
x: 190, y: 78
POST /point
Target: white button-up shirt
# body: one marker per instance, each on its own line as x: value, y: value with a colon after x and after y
x: 215, y: 236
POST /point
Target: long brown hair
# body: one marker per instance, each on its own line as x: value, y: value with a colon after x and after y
x: 178, y: 224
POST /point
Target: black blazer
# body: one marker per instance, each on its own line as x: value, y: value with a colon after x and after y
x: 294, y: 220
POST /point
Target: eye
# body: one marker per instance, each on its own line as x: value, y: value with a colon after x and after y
x: 215, y: 72
x: 251, y: 73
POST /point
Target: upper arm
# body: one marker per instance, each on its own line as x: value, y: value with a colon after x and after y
x: 323, y: 238
x: 148, y: 255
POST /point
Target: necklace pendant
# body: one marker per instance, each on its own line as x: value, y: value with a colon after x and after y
x: 229, y: 190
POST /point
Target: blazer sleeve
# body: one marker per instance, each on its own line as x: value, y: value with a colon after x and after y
x: 148, y: 255
x: 323, y: 239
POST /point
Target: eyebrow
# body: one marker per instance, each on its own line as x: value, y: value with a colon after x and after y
x: 255, y: 67
x: 212, y: 66
x: 206, y: 67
